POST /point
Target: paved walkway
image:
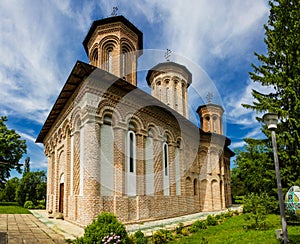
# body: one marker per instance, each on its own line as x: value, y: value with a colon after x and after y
x: 63, y: 227
x: 38, y: 228
x: 71, y: 231
x: 25, y: 228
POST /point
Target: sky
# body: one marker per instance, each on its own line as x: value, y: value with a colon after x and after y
x: 41, y: 40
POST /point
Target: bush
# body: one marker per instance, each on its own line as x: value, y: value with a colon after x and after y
x: 179, y: 228
x: 162, y: 236
x: 256, y: 207
x: 41, y: 204
x: 106, y: 225
x: 185, y: 232
x: 211, y: 220
x: 140, y: 238
x: 29, y: 205
x: 198, y: 225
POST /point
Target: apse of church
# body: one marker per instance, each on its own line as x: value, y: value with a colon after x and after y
x: 113, y: 147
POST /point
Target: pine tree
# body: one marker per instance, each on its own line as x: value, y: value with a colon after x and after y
x: 279, y: 68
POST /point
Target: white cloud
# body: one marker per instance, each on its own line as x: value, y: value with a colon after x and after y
x: 238, y: 144
x: 236, y: 113
x: 35, y: 57
x: 197, y: 29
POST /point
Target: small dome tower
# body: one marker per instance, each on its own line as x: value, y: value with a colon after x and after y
x: 169, y: 82
x: 111, y: 44
x: 211, y: 118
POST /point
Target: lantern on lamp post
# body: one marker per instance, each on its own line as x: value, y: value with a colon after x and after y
x: 271, y: 120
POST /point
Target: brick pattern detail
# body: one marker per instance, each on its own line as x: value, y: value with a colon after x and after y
x: 76, y: 169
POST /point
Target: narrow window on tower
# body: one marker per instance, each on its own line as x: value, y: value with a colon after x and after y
x: 124, y: 64
x: 109, y: 60
x: 214, y: 124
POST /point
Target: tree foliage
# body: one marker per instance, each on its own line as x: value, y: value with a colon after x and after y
x: 279, y: 69
x: 254, y: 171
x: 256, y: 207
x: 12, y: 149
x: 8, y: 194
x: 26, y: 165
x: 32, y: 187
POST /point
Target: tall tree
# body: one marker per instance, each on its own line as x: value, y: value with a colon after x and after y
x: 8, y: 194
x: 279, y: 68
x: 254, y: 171
x: 12, y: 149
x: 26, y: 165
x: 32, y: 187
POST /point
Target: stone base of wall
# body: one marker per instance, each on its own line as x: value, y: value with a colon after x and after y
x: 131, y: 209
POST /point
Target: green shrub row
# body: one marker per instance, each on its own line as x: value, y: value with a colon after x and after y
x: 107, y: 229
x: 41, y: 204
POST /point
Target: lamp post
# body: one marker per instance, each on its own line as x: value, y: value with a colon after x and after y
x: 271, y: 120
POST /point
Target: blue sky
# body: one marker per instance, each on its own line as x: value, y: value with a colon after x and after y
x: 40, y: 41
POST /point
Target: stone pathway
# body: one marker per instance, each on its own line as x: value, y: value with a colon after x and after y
x: 37, y: 228
x: 25, y: 228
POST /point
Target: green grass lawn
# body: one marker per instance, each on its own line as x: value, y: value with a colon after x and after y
x: 232, y: 231
x: 12, y: 208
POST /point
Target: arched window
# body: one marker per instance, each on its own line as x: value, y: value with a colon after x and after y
x: 109, y: 60
x: 149, y: 162
x: 107, y: 56
x: 214, y: 123
x: 106, y: 157
x: 94, y: 57
x: 126, y: 61
x: 131, y: 152
x: 208, y: 123
x: 123, y: 71
x: 166, y: 160
x: 195, y: 187
x: 131, y: 164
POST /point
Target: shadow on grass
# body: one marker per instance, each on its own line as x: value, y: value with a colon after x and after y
x: 9, y: 204
x: 294, y: 238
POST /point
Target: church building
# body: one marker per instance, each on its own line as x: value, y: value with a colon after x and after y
x: 113, y: 147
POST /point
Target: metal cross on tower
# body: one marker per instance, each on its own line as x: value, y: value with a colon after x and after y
x: 114, y: 12
x: 168, y: 55
x: 209, y: 97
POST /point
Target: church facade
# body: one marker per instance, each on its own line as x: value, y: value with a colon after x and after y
x: 113, y: 147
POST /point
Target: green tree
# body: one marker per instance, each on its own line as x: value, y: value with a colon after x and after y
x: 257, y: 206
x: 254, y: 171
x: 279, y: 68
x: 32, y: 187
x: 26, y: 165
x: 8, y: 194
x: 12, y: 149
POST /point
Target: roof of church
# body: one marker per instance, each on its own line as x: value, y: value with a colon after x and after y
x: 77, y: 75
x: 163, y: 67
x: 209, y: 105
x: 81, y: 71
x: 109, y: 20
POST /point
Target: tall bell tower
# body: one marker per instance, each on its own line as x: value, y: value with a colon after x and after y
x: 111, y: 44
x: 169, y: 83
x: 211, y: 118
